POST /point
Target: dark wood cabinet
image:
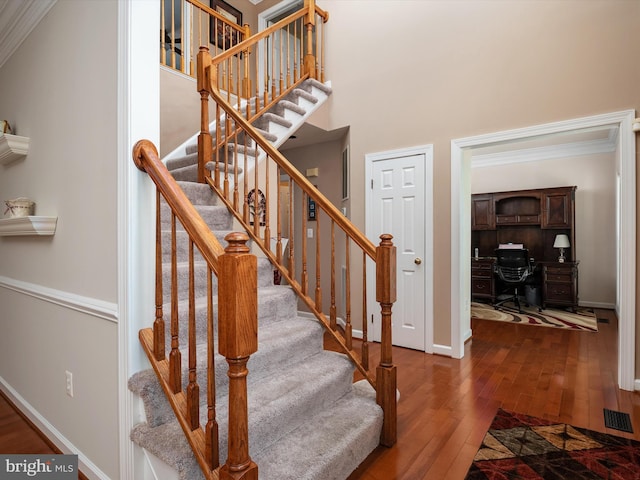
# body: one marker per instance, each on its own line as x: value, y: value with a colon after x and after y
x: 532, y: 218
x: 482, y: 217
x: 560, y: 284
x: 557, y: 207
x: 482, y: 281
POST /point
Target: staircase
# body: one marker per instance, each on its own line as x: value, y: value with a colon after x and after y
x: 307, y: 419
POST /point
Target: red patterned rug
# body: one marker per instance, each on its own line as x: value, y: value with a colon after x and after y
x: 523, y: 447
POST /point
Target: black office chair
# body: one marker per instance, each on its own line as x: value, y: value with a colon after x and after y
x: 514, y: 268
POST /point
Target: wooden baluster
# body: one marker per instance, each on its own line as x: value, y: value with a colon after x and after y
x: 310, y: 20
x: 267, y: 196
x: 348, y: 328
x: 281, y: 61
x: 273, y: 66
x: 322, y: 54
x: 204, y: 138
x: 246, y: 79
x: 257, y: 86
x: 246, y: 214
x: 193, y: 389
x: 163, y: 30
x: 365, y: 344
x: 237, y: 340
x: 256, y: 202
x: 173, y: 35
x: 158, y: 324
x: 236, y: 193
x: 295, y: 51
x: 225, y: 145
x: 386, y: 379
x: 304, y: 279
x: 266, y: 71
x: 318, y: 263
x: 288, y: 56
x: 175, y: 358
x: 191, y: 42
x: 292, y: 265
x: 332, y: 309
x: 211, y: 434
x: 218, y: 140
x: 279, y: 220
x: 183, y: 64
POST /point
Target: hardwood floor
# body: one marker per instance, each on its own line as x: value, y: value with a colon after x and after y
x: 447, y: 405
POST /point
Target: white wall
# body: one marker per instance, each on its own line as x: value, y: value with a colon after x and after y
x: 594, y: 175
x: 59, y: 294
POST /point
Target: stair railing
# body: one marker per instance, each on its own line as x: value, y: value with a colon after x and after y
x: 247, y: 179
x: 237, y: 325
x: 253, y: 75
x: 187, y: 24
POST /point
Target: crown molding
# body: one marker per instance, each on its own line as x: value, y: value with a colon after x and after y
x: 17, y: 19
x: 566, y: 150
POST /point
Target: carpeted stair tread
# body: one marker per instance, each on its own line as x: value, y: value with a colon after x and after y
x: 279, y: 346
x: 217, y: 217
x: 265, y: 278
x: 282, y: 105
x: 275, y: 304
x: 329, y: 446
x: 199, y: 193
x: 299, y: 92
x: 269, y: 422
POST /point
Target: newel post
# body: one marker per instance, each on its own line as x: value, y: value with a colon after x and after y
x: 237, y: 340
x: 386, y: 371
x: 205, y: 146
x: 309, y: 61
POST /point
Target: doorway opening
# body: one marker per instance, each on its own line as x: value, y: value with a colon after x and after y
x: 461, y: 150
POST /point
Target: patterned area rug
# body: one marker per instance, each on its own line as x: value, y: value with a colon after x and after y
x: 584, y: 319
x: 523, y: 447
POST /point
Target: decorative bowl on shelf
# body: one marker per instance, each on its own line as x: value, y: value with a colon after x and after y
x: 20, y: 207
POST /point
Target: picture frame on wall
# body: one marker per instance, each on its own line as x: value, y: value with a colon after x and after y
x: 222, y: 35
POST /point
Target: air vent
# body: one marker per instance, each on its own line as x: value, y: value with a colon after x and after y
x: 617, y: 420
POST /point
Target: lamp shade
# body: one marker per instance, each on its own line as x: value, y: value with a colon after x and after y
x: 561, y: 241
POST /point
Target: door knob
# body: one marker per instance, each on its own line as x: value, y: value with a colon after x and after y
x: 417, y: 261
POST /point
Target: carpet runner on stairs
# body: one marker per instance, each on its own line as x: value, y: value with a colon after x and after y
x: 307, y: 419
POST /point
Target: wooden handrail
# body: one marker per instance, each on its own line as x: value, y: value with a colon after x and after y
x: 237, y: 327
x: 145, y: 156
x: 343, y: 222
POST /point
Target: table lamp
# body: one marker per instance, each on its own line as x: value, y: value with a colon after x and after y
x: 561, y: 242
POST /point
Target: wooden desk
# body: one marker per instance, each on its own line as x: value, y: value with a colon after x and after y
x: 560, y: 284
x: 483, y: 285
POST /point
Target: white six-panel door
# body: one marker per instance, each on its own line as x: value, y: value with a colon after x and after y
x: 399, y: 190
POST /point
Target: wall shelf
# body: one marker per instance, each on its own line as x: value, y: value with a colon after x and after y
x: 12, y: 148
x: 32, y: 225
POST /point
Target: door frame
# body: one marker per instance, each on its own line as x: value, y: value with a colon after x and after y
x: 626, y: 235
x: 372, y: 305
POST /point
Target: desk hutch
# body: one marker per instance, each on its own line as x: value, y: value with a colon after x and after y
x: 532, y: 218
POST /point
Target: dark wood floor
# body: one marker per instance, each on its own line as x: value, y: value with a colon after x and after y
x: 447, y: 405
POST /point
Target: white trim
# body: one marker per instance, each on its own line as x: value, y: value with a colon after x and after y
x: 603, y: 305
x: 636, y: 384
x: 138, y: 117
x: 17, y: 21
x: 552, y: 152
x: 460, y: 255
x: 89, y: 306
x: 370, y: 158
x: 444, y: 350
x: 52, y: 433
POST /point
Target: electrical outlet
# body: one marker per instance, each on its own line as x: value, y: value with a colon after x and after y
x: 309, y: 232
x: 69, y: 382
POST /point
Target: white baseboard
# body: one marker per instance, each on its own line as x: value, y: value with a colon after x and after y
x: 86, y: 466
x: 445, y: 350
x: 636, y: 385
x: 603, y: 305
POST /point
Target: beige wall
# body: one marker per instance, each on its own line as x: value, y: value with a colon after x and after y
x: 595, y: 177
x: 59, y: 89
x: 407, y: 73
